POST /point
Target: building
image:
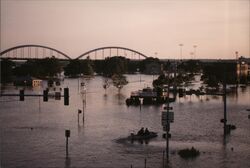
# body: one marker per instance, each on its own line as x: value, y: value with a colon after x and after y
x: 243, y: 68
x: 36, y: 82
x: 27, y: 81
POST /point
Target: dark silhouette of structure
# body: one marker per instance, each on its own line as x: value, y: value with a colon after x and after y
x: 110, y: 52
x: 33, y: 51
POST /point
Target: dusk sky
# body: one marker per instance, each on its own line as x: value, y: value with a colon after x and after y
x: 152, y: 27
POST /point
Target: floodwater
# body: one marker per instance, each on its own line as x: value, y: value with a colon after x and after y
x: 33, y: 131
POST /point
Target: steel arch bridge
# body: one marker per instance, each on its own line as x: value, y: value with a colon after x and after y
x: 112, y: 51
x: 32, y: 51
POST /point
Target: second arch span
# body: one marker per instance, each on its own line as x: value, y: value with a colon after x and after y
x: 110, y: 47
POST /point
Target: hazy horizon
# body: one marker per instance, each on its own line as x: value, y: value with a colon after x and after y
x: 154, y: 28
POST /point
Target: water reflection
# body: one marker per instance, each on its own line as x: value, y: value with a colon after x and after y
x: 107, y: 118
x: 120, y: 97
x: 67, y: 162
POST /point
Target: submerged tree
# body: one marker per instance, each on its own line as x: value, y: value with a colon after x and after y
x: 180, y: 79
x: 119, y: 81
x: 106, y: 83
x: 217, y: 73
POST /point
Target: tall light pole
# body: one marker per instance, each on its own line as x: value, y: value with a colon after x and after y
x: 156, y: 54
x: 181, y: 45
x: 238, y: 67
x: 192, y: 55
x: 237, y: 55
x: 195, y: 46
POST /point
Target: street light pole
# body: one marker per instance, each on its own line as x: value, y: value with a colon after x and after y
x: 168, y: 125
x: 238, y: 67
x: 195, y: 46
x: 225, y: 109
x: 181, y: 45
x: 192, y: 55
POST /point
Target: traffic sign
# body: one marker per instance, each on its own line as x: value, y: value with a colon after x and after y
x: 67, y: 133
x: 164, y: 122
x: 166, y: 127
x: 168, y: 108
x: 167, y: 116
x: 164, y: 135
x: 57, y: 95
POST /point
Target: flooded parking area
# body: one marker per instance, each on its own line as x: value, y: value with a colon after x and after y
x: 33, y: 131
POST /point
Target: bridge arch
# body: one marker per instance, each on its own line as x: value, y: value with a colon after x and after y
x: 30, y: 46
x: 110, y: 48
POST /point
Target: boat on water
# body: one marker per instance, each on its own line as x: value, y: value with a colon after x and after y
x: 151, y: 135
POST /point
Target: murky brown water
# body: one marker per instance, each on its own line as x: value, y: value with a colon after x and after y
x: 107, y: 119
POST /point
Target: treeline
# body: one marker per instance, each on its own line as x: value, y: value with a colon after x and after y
x: 215, y: 74
x: 47, y: 67
x: 109, y: 66
x: 212, y: 73
x: 50, y: 67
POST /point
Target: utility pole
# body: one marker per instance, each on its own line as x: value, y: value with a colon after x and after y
x: 195, y: 46
x: 167, y: 118
x: 181, y: 45
x: 168, y: 128
x: 238, y: 66
x: 225, y: 108
x: 67, y: 135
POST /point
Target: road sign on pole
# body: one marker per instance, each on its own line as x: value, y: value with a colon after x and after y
x: 168, y: 108
x: 167, y: 117
x: 166, y: 127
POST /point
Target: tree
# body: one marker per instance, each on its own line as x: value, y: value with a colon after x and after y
x: 73, y: 68
x: 6, y: 70
x: 98, y: 66
x: 115, y: 65
x: 87, y: 67
x: 119, y: 81
x: 148, y: 61
x: 160, y: 81
x: 26, y: 69
x: 217, y: 73
x: 133, y: 66
x: 191, y: 66
x: 77, y: 67
x: 47, y: 67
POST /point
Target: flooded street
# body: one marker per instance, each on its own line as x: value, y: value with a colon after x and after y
x: 33, y: 131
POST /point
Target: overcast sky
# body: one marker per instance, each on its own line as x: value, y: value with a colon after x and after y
x: 152, y: 27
